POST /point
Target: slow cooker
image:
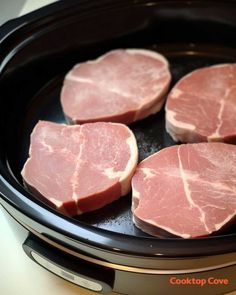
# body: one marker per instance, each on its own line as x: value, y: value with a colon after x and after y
x: 102, y: 250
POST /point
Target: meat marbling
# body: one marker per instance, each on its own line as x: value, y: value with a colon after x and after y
x: 186, y: 190
x: 202, y: 106
x: 120, y: 86
x: 80, y: 168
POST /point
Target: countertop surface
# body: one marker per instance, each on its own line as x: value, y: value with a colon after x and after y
x: 19, y: 274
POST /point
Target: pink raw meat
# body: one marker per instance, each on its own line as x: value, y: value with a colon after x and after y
x: 202, y: 106
x: 120, y: 86
x: 187, y: 190
x: 80, y: 168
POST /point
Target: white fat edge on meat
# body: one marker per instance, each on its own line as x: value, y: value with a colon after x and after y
x: 176, y: 92
x: 135, y: 198
x: 171, y: 121
x: 140, y: 114
x: 70, y: 76
x: 157, y: 107
x: 225, y: 221
x: 155, y: 102
x: 170, y: 117
x: 178, y: 134
x: 188, y: 193
x: 23, y: 173
x: 125, y: 175
x: 148, y: 172
x: 63, y: 89
x: 135, y: 193
x: 168, y: 229
x: 37, y: 126
x: 125, y: 180
x: 31, y: 136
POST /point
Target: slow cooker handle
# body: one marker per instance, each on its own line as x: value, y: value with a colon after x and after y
x: 68, y: 267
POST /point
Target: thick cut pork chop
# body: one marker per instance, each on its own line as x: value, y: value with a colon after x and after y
x: 187, y: 190
x: 202, y: 106
x: 121, y: 86
x: 80, y: 168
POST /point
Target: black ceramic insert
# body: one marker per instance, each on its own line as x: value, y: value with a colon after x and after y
x: 38, y: 49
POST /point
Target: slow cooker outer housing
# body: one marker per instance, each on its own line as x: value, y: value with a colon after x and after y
x: 40, y: 46
x: 152, y: 278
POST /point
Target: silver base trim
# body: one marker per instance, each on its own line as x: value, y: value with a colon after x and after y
x: 124, y: 267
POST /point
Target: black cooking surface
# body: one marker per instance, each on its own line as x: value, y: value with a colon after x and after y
x: 150, y: 132
x: 36, y: 52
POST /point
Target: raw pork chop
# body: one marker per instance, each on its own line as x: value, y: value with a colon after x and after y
x: 187, y: 190
x: 80, y: 168
x: 120, y: 86
x: 202, y: 106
